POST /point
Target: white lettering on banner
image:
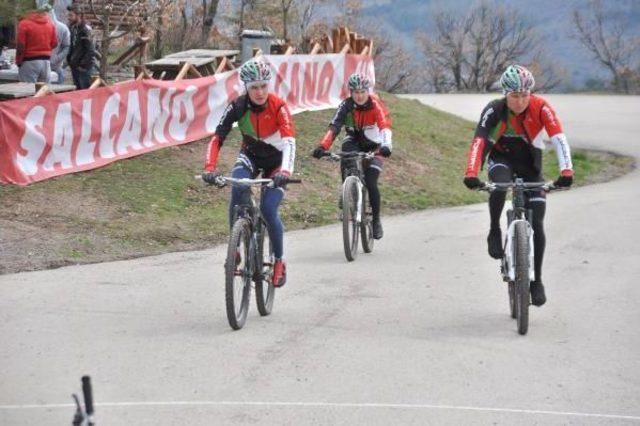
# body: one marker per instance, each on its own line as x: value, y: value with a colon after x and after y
x: 165, y: 114
x: 132, y: 130
x: 33, y: 141
x: 86, y: 147
x: 216, y: 101
x: 111, y: 108
x: 153, y: 111
x: 177, y: 128
x: 62, y: 139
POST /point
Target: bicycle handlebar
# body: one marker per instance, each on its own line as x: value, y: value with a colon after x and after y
x: 526, y: 186
x: 247, y: 182
x: 336, y: 156
x: 88, y: 397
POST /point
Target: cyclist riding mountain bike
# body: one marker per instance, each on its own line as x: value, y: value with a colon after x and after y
x: 268, y: 145
x: 510, y: 132
x: 368, y: 128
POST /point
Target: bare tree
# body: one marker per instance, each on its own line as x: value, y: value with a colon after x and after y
x: 473, y: 50
x: 608, y: 42
x: 209, y: 12
x: 285, y: 8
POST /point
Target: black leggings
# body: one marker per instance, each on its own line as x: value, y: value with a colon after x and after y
x: 371, y: 173
x: 535, y: 201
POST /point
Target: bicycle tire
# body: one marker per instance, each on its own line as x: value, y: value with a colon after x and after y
x: 366, y: 226
x: 265, y: 291
x: 521, y: 245
x: 239, y: 241
x: 350, y: 227
x: 512, y: 299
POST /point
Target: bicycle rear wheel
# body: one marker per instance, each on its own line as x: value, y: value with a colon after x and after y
x: 265, y: 291
x: 366, y: 226
x: 521, y: 244
x: 238, y: 273
x: 350, y: 226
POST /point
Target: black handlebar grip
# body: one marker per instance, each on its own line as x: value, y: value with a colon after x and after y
x: 294, y: 181
x: 88, y: 397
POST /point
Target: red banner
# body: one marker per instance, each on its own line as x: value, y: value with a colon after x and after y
x: 70, y: 132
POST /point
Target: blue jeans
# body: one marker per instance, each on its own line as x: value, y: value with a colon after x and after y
x: 240, y: 195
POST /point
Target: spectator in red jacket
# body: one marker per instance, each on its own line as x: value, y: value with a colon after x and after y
x: 35, y: 41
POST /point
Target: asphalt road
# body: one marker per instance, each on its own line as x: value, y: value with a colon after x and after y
x: 417, y: 332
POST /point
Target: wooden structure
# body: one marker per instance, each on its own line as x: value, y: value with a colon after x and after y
x: 118, y: 12
x: 195, y: 62
x: 25, y: 90
x: 342, y: 40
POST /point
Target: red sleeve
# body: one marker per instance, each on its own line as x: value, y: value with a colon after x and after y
x: 285, y: 122
x: 550, y: 120
x: 383, y: 116
x: 21, y: 39
x: 327, y: 140
x: 212, y: 154
x: 474, y: 157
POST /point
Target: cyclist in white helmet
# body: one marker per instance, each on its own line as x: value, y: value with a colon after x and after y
x: 268, y: 146
x: 510, y: 132
x: 368, y: 127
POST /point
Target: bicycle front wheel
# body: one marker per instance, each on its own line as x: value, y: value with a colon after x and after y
x: 521, y: 245
x: 238, y: 273
x: 366, y: 226
x: 350, y: 225
x: 265, y: 291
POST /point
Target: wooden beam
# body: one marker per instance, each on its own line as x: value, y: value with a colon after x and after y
x: 289, y: 50
x: 222, y: 65
x: 257, y: 52
x: 365, y: 51
x: 97, y: 82
x: 184, y: 69
x: 345, y: 49
x: 42, y: 90
x: 194, y: 71
x: 316, y: 48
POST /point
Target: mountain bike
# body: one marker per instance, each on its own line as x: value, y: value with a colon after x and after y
x: 357, y: 221
x: 517, y: 264
x: 250, y: 256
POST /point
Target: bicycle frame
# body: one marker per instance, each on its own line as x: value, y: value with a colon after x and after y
x: 516, y: 214
x: 357, y: 157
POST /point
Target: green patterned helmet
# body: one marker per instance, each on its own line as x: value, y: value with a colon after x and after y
x: 254, y: 70
x: 359, y: 82
x: 517, y: 78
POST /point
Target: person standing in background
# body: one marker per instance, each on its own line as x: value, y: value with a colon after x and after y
x: 60, y: 53
x: 81, y: 52
x: 35, y: 41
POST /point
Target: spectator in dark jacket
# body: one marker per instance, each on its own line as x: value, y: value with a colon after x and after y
x: 81, y: 52
x: 35, y: 41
